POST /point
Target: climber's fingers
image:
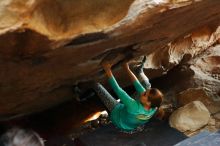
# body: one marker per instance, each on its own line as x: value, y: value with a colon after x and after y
x: 112, y: 58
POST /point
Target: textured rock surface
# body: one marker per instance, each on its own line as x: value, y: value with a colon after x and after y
x: 190, y: 117
x: 46, y: 46
x: 199, y: 80
x: 198, y: 94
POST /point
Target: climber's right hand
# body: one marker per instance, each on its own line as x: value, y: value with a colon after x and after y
x: 106, y: 65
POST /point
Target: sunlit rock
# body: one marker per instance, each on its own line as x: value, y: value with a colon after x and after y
x: 190, y: 117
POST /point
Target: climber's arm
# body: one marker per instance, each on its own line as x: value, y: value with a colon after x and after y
x: 139, y: 88
x: 141, y: 75
x: 125, y: 98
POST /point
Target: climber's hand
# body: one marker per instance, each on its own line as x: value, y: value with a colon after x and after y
x: 125, y: 65
x: 106, y: 65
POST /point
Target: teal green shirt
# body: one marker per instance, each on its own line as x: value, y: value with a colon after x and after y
x: 129, y: 114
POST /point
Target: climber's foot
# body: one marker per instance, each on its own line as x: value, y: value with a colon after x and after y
x: 84, y: 91
x: 139, y: 68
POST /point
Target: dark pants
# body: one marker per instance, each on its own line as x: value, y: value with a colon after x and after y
x: 109, y: 101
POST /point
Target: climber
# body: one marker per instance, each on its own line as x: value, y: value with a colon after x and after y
x: 130, y: 113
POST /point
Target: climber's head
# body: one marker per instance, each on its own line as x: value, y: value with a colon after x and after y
x: 152, y: 98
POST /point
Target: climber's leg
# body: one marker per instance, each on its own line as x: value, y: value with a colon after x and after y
x: 139, y: 70
x: 86, y: 90
x: 109, y: 101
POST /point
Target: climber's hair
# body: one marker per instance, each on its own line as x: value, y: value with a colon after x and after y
x: 155, y: 97
x: 21, y: 137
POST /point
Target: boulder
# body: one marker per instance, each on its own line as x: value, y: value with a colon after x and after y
x: 190, y: 117
x: 199, y: 94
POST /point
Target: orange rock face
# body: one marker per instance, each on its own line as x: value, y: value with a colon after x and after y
x: 47, y: 46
